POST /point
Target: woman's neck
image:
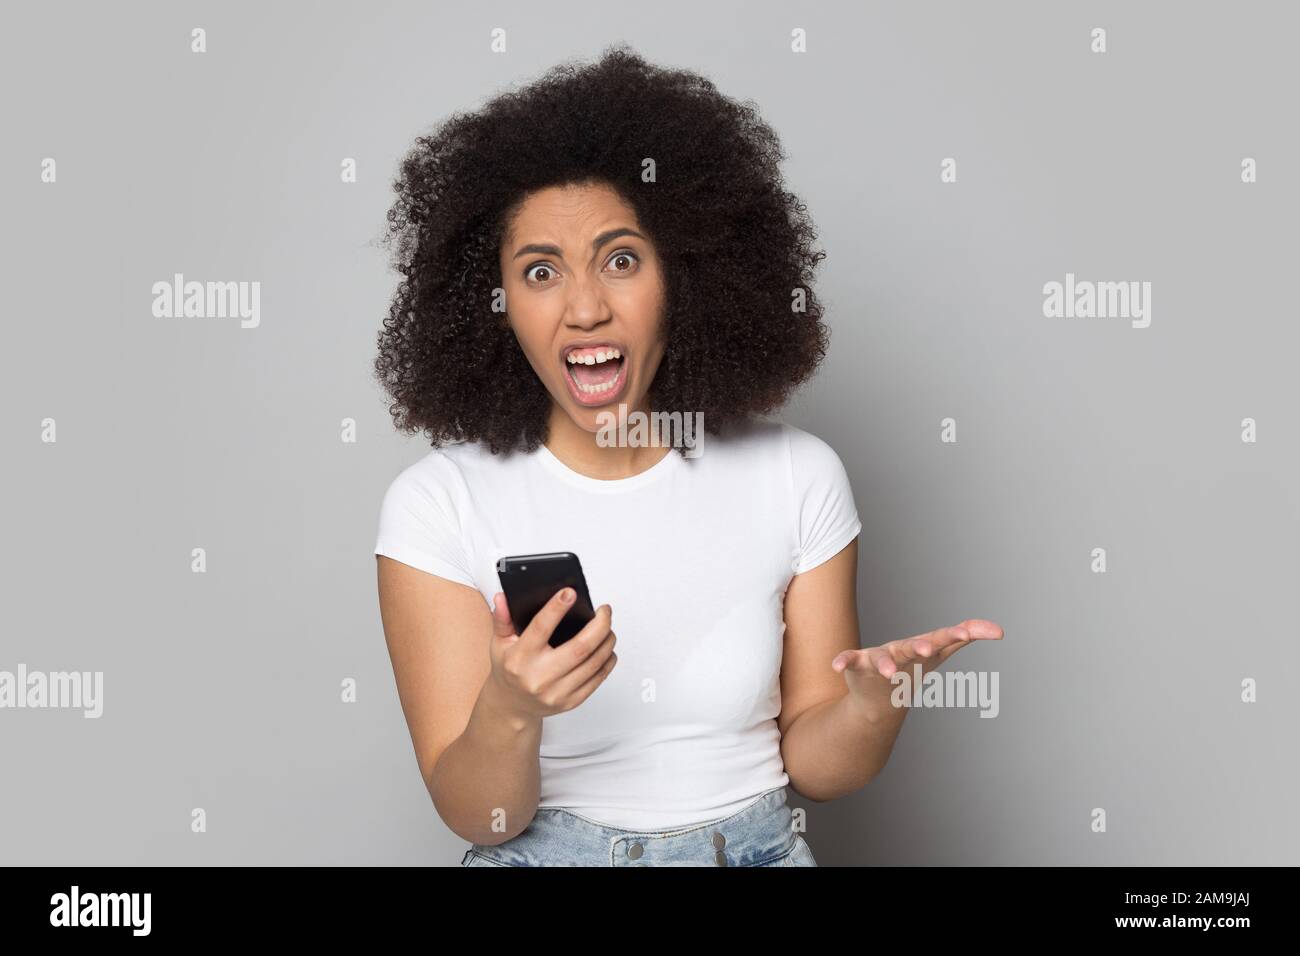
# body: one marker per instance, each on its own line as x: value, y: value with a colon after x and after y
x: 578, y: 449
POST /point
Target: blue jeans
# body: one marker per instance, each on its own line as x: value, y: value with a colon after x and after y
x: 759, y: 834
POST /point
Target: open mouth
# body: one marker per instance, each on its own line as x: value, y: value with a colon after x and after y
x: 596, y: 374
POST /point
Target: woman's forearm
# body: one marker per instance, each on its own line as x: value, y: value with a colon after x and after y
x: 838, y: 746
x: 487, y: 783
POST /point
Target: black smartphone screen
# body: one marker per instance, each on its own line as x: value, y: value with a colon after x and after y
x: 530, y: 580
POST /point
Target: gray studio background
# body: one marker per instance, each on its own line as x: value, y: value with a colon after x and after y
x: 1118, y: 690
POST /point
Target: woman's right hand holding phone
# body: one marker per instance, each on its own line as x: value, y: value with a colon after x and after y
x: 531, y: 679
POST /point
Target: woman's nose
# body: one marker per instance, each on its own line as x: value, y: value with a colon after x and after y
x: 587, y: 304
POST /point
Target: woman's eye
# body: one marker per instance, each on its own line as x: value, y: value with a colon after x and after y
x: 624, y: 256
x: 538, y: 273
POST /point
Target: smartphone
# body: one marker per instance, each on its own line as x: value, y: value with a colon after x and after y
x: 530, y: 580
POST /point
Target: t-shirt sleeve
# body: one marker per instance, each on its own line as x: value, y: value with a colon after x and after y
x: 419, y: 522
x: 827, y: 514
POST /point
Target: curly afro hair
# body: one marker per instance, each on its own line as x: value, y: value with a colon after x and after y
x: 737, y: 249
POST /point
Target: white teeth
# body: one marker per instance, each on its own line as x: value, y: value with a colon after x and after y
x: 596, y: 359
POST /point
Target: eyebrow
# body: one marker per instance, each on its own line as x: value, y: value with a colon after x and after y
x: 596, y: 243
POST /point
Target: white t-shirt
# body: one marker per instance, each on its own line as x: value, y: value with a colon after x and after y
x: 694, y: 557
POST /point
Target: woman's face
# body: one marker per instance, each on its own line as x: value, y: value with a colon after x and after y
x: 584, y: 295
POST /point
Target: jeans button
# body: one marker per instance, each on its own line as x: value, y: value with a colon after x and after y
x: 721, y: 858
x: 719, y: 841
x: 634, y: 851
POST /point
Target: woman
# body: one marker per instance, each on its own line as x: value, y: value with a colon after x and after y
x: 614, y: 239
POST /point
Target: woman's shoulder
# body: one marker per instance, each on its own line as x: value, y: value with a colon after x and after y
x: 802, y: 463
x: 458, y: 460
x: 443, y: 473
x: 768, y: 436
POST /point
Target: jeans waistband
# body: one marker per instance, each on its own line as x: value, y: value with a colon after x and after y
x: 756, y: 834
